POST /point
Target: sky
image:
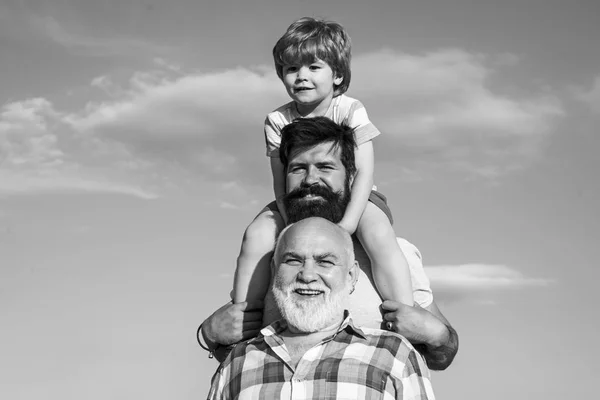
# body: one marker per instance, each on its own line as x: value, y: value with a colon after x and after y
x: 132, y: 158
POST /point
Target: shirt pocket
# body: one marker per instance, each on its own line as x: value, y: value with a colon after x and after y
x: 356, y: 383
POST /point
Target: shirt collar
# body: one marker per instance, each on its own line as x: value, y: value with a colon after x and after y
x: 347, y: 324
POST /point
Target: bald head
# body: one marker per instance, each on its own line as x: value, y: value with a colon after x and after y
x: 314, y: 273
x: 315, y: 227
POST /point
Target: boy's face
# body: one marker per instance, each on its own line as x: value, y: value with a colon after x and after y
x: 311, y: 86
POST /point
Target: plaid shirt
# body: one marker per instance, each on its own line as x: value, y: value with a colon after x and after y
x: 352, y: 364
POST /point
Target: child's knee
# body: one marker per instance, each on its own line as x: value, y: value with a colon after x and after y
x: 374, y: 226
x: 261, y: 232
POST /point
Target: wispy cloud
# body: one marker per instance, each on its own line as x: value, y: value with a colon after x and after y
x: 479, y: 277
x: 167, y: 126
x: 440, y: 109
x: 590, y: 96
x: 40, y: 153
x: 89, y: 45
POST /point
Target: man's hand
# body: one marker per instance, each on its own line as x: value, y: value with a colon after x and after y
x: 421, y: 326
x: 233, y: 323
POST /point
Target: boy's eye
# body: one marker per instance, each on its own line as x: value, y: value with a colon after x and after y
x: 315, y: 67
x: 290, y: 68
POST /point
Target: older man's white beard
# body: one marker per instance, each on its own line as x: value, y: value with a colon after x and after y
x: 312, y: 314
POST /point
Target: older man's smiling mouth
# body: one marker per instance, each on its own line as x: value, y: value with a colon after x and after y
x: 308, y: 292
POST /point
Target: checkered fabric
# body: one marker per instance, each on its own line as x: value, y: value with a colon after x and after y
x: 355, y: 363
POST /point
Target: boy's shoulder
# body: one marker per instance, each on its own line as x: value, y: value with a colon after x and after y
x: 281, y: 115
x: 348, y: 102
x: 283, y: 109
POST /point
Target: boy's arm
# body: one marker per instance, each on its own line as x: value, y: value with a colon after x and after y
x: 278, y: 172
x: 361, y: 186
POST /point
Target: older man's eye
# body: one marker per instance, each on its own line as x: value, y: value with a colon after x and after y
x: 327, y: 263
x: 292, y: 261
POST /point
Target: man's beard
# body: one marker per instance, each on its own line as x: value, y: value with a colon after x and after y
x: 331, y: 206
x: 311, y: 314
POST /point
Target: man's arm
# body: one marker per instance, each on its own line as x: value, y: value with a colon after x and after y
x: 231, y: 324
x: 425, y: 326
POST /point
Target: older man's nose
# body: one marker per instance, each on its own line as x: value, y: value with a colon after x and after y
x: 307, y: 273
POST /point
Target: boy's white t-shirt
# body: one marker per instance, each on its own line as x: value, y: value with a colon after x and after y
x: 343, y: 109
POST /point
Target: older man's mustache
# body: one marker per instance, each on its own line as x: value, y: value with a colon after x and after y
x: 306, y: 288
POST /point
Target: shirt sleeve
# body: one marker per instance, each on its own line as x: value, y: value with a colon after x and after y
x: 357, y: 118
x: 217, y: 385
x: 422, y: 293
x: 272, y: 138
x: 416, y: 380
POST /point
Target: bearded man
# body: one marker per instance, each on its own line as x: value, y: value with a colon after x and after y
x: 318, y: 157
x: 316, y: 351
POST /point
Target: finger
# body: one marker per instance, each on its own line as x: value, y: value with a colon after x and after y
x: 389, y: 316
x: 251, y: 305
x: 390, y: 305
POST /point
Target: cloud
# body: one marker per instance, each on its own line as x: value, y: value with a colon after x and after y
x: 84, y: 44
x: 441, y: 109
x: 590, y: 96
x: 169, y: 127
x: 479, y: 278
x: 39, y: 153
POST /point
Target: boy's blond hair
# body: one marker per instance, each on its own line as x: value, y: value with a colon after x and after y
x: 307, y: 39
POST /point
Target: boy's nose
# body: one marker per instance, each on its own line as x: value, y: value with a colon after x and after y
x: 301, y: 73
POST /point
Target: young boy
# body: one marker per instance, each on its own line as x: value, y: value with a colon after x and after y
x: 312, y: 59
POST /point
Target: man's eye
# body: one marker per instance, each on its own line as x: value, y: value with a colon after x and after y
x: 293, y: 261
x: 327, y: 263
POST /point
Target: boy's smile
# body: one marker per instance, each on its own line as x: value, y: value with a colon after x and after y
x: 311, y: 86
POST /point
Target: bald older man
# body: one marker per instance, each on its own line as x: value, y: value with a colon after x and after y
x: 319, y: 155
x: 315, y: 350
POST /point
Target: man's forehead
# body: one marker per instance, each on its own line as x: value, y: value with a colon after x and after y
x: 314, y: 238
x: 326, y: 151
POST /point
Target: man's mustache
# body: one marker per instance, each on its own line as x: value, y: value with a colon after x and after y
x: 313, y: 190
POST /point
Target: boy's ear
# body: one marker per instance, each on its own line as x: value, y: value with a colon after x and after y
x: 337, y: 81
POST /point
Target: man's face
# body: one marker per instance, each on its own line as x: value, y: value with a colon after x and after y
x: 317, y: 184
x: 313, y: 275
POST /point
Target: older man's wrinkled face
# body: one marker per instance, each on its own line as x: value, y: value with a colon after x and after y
x: 314, y: 276
x: 317, y: 184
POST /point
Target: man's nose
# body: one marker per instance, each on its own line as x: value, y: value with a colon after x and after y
x: 308, y: 272
x: 312, y: 176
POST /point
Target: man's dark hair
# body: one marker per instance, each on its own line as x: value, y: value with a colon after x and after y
x: 305, y: 133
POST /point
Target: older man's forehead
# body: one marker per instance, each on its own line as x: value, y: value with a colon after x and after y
x: 315, y: 240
